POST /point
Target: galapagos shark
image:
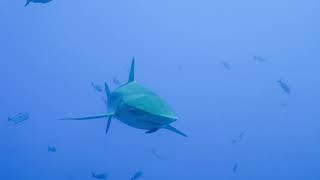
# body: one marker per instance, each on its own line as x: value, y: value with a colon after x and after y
x: 137, y: 107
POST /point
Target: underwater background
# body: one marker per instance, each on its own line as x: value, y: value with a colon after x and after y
x: 200, y: 56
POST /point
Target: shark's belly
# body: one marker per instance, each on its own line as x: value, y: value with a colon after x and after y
x: 139, y: 123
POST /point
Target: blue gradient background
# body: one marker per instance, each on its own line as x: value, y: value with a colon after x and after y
x: 50, y: 53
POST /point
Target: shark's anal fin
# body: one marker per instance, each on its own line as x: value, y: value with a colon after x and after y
x: 108, y: 124
x: 131, y: 75
x: 152, y: 130
x: 173, y: 129
x: 90, y: 117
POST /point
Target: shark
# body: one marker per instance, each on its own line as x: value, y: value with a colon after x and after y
x: 137, y: 107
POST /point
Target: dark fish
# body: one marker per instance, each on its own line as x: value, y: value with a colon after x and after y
x: 137, y: 175
x: 100, y: 176
x: 284, y: 86
x: 235, y: 167
x: 260, y: 59
x: 52, y: 149
x: 96, y: 87
x: 116, y: 81
x: 37, y: 1
x: 20, y: 117
x: 226, y: 65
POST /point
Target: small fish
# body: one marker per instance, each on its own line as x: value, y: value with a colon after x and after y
x: 137, y: 175
x: 100, y: 176
x: 116, y: 81
x: 180, y: 68
x: 284, y: 86
x: 260, y: 59
x: 20, y: 117
x: 52, y: 149
x: 37, y: 1
x: 96, y: 87
x: 284, y: 104
x: 242, y: 134
x: 240, y: 137
x: 226, y: 65
x: 235, y: 167
x: 155, y: 154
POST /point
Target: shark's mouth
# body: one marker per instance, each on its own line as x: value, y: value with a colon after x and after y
x: 153, y: 123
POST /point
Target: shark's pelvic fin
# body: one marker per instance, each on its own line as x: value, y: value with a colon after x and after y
x: 152, y: 130
x: 173, y: 129
x: 107, y: 90
x: 90, y: 117
x: 131, y: 75
x: 108, y: 124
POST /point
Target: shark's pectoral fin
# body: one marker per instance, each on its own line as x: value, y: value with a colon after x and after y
x: 108, y: 124
x: 152, y: 130
x: 173, y: 129
x: 90, y: 117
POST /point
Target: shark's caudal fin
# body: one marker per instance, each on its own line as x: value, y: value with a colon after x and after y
x: 131, y: 75
x: 90, y: 117
x: 173, y: 129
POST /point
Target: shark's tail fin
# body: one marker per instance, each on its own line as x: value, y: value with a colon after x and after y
x: 27, y: 3
x: 93, y: 175
x: 9, y: 119
x: 131, y: 75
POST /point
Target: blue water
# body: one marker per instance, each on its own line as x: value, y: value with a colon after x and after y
x: 50, y: 54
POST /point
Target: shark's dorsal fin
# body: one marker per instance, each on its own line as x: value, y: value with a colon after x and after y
x: 107, y: 90
x: 131, y: 75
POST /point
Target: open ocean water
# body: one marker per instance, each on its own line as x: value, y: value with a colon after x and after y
x: 242, y: 78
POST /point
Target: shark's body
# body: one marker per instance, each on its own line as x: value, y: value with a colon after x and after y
x: 137, y: 107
